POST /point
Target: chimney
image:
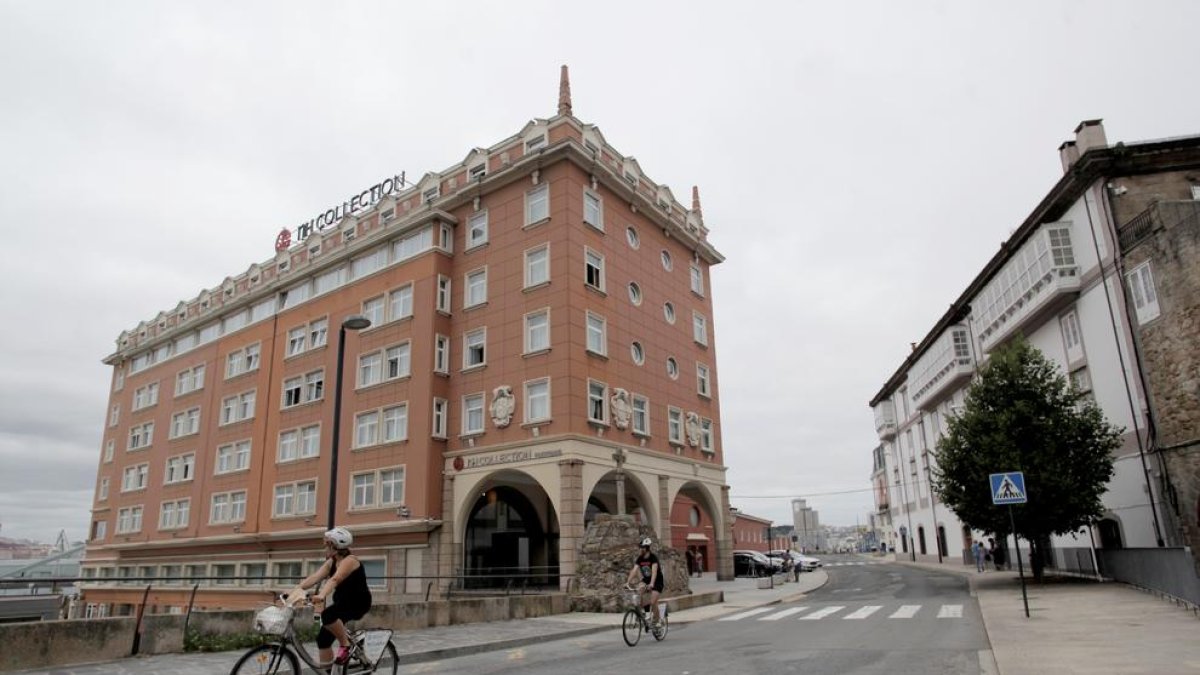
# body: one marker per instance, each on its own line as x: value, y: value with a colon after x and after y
x: 1090, y: 134
x: 1068, y: 152
x: 564, y: 92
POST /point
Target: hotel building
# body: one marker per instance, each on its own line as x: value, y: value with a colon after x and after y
x: 540, y: 349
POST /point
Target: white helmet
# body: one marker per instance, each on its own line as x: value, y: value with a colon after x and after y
x: 646, y: 542
x: 340, y: 537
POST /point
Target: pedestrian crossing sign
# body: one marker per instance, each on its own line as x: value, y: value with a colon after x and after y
x: 1008, y: 488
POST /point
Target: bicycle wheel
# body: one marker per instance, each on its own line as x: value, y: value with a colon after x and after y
x: 266, y: 659
x: 389, y: 662
x: 660, y: 633
x: 631, y: 627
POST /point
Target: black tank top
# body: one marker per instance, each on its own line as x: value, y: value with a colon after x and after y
x: 353, y: 591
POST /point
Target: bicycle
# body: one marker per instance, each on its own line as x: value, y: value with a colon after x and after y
x: 371, y: 650
x: 637, y: 619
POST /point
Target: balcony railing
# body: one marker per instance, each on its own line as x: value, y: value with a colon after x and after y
x: 885, y: 420
x: 946, y: 363
x: 1159, y: 215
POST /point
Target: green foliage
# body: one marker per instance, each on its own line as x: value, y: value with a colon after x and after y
x: 1021, y: 415
x: 197, y: 641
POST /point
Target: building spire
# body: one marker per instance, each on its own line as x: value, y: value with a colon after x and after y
x: 564, y: 92
x: 696, y: 202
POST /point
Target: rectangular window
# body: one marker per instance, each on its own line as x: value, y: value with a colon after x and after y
x: 475, y: 292
x: 535, y: 143
x: 310, y: 441
x: 318, y: 333
x: 238, y: 408
x: 400, y: 303
x: 537, y: 400
x: 395, y: 423
x: 102, y: 491
x: 295, y: 499
x: 141, y: 436
x: 699, y: 328
x: 675, y: 425
x: 299, y: 443
x: 114, y: 415
x: 593, y: 210
x: 366, y: 429
x: 242, y: 360
x: 99, y: 530
x: 597, y: 339
x: 597, y: 402
x: 397, y: 361
x: 369, y: 263
x: 391, y: 487
x: 185, y: 423
x: 1081, y: 382
x: 475, y: 348
x: 135, y: 477
x: 297, y: 339
x: 370, y: 369
x: 180, y: 468
x: 443, y: 294
x: 109, y: 447
x: 431, y: 194
x: 413, y: 244
x: 1145, y: 297
x: 289, y: 442
x: 233, y: 457
x: 189, y: 380
x: 441, y: 354
x: 697, y: 279
x: 441, y: 415
x: 477, y: 229
x: 706, y: 435
x: 537, y: 331
x: 537, y: 266
x: 373, y: 309
x: 314, y: 386
x: 292, y: 389
x: 228, y: 507
x: 381, y: 488
x: 537, y: 204
x: 593, y: 269
x: 1071, y: 335
x: 472, y: 414
x: 362, y: 490
x: 144, y: 397
x: 129, y: 519
x: 702, y: 381
x: 174, y: 514
x: 118, y: 379
x: 641, y: 415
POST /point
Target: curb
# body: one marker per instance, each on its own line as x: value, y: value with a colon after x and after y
x: 467, y: 650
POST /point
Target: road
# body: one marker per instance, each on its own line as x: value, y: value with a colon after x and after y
x: 870, y: 618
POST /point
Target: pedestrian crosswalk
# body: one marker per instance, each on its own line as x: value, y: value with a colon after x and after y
x: 814, y: 613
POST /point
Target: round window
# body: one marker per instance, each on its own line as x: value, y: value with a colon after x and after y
x: 669, y: 312
x: 638, y: 354
x: 635, y: 293
x: 694, y: 517
x: 631, y: 236
x: 666, y: 260
x: 672, y: 368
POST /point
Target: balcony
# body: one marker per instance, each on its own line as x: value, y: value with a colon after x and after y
x: 942, y: 367
x: 1158, y: 216
x: 1038, y: 278
x: 885, y: 420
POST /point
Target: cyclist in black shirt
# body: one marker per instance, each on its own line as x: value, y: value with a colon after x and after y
x: 647, y: 568
x: 346, y: 580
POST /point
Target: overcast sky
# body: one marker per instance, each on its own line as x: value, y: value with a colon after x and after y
x: 858, y: 164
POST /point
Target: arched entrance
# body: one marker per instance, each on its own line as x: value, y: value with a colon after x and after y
x: 921, y: 538
x: 941, y: 540
x: 695, y: 525
x: 608, y: 493
x: 1110, y: 533
x: 511, y: 535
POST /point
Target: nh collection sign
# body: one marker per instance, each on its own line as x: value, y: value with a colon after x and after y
x: 479, y: 461
x: 363, y: 200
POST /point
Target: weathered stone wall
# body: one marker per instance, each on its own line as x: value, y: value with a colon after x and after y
x: 607, y: 553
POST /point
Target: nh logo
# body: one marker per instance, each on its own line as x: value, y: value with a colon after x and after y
x: 1008, y: 488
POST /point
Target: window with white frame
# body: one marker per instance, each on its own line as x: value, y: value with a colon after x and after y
x: 366, y: 429
x: 597, y: 334
x: 185, y: 423
x: 318, y: 333
x: 537, y: 400
x: 129, y: 519
x: 441, y: 354
x: 189, y: 380
x: 537, y: 204
x: 472, y: 417
x: 238, y: 408
x: 672, y: 368
x: 535, y: 143
x: 295, y: 499
x: 297, y: 340
x: 373, y: 309
x: 537, y: 331
x: 243, y: 360
x: 702, y: 380
x: 637, y: 352
x: 110, y: 447
x: 309, y: 336
x: 370, y: 369
x: 477, y: 229
x: 441, y: 417
x: 666, y: 260
x: 118, y: 379
x: 135, y: 477
x: 635, y: 293
x: 477, y: 172
x: 299, y: 443
x: 141, y: 436
x: 233, y: 457
x: 370, y: 263
x: 304, y: 389
x: 397, y: 361
x: 174, y: 514
x: 102, y: 490
x: 475, y: 292
x: 447, y: 237
x: 1072, y: 337
x: 144, y: 397
x: 593, y: 269
x: 1145, y: 296
x: 180, y: 468
x: 443, y: 294
x: 1081, y: 382
x: 394, y: 426
x: 697, y: 275
x: 400, y: 303
x: 597, y: 402
x: 114, y: 415
x: 99, y: 531
x: 699, y: 328
x: 475, y: 348
x: 706, y: 435
x: 228, y: 507
x: 669, y: 313
x: 593, y: 209
x: 381, y: 488
x: 537, y: 266
x: 631, y: 236
x: 640, y: 419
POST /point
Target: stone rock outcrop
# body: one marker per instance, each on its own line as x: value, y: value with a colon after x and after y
x: 606, y: 554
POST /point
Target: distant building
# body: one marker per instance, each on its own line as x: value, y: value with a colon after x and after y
x: 807, y: 527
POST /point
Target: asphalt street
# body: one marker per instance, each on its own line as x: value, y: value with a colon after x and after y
x: 869, y: 618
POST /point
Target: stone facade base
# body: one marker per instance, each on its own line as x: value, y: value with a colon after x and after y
x: 607, y: 553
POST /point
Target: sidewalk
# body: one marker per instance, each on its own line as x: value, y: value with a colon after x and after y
x: 1079, y: 626
x: 444, y: 642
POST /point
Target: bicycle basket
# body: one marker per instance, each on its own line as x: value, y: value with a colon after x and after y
x: 633, y: 599
x: 272, y: 620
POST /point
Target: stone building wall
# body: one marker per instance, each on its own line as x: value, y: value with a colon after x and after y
x: 607, y: 553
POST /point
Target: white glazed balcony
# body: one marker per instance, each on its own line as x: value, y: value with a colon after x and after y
x: 885, y: 420
x: 941, y: 368
x: 1037, y: 278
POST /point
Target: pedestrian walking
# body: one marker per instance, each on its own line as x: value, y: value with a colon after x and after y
x: 997, y: 554
x: 691, y: 561
x: 699, y: 563
x: 977, y: 551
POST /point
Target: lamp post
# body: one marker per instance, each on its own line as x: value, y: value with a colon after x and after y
x: 352, y: 322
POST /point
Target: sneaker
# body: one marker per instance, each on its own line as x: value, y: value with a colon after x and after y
x: 343, y: 655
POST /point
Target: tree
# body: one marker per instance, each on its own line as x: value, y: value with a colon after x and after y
x: 1020, y: 414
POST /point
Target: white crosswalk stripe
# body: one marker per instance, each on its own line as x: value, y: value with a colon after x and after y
x: 863, y: 612
x: 905, y: 612
x: 823, y: 612
x: 782, y: 615
x: 950, y: 612
x: 743, y: 615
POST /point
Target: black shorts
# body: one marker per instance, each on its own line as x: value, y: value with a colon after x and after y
x: 325, y: 639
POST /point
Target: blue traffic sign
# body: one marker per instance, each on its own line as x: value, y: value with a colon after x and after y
x: 1008, y: 488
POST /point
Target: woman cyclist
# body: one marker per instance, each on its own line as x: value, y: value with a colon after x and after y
x: 646, y: 566
x: 346, y: 580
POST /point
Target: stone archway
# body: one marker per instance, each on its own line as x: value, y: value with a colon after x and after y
x: 510, y: 534
x: 710, y: 538
x: 618, y: 494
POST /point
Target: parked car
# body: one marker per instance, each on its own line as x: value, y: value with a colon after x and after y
x: 806, y: 563
x: 751, y: 564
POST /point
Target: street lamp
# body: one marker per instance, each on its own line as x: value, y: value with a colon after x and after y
x: 352, y: 322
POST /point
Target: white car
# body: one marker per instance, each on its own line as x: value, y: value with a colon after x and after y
x: 806, y: 563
